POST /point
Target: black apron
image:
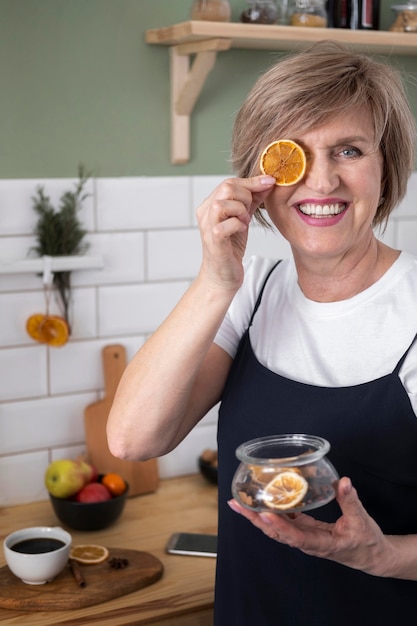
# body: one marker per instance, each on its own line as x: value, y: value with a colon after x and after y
x: 372, y: 430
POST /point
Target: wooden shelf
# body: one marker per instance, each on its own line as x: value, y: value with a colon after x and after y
x: 205, y: 39
x: 55, y: 264
x: 267, y: 37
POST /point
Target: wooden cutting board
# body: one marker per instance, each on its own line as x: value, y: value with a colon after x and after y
x: 142, y: 476
x: 102, y: 583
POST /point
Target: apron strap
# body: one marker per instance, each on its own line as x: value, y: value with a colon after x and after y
x: 258, y: 301
x: 404, y: 356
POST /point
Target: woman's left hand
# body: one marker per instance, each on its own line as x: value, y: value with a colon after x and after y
x: 354, y: 540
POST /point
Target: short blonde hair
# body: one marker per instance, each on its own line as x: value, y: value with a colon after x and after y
x: 306, y: 89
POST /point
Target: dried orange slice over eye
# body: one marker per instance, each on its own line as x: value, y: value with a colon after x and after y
x: 34, y: 327
x: 89, y: 554
x: 55, y: 330
x: 285, y: 160
x: 285, y: 491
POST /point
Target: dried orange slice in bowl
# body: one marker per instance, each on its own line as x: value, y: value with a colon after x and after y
x: 264, y: 473
x: 89, y: 554
x: 34, y: 326
x: 285, y: 491
x: 285, y: 160
x: 55, y: 330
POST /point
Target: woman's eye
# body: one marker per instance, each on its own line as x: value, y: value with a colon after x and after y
x: 350, y: 152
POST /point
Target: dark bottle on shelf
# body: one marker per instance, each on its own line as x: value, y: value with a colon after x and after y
x: 354, y: 14
x: 364, y: 14
x: 338, y: 12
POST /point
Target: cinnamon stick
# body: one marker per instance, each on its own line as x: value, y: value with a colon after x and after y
x: 77, y: 573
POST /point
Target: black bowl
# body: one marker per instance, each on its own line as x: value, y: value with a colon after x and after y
x: 89, y: 515
x: 208, y: 470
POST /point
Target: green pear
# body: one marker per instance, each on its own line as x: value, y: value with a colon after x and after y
x: 64, y: 478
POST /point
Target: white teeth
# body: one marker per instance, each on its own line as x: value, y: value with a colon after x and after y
x: 320, y: 210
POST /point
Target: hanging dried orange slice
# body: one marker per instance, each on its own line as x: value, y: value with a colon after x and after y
x: 89, y: 554
x: 55, y: 330
x: 285, y: 491
x: 285, y: 160
x: 34, y: 327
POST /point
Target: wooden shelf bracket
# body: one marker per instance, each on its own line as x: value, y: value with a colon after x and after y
x: 187, y: 81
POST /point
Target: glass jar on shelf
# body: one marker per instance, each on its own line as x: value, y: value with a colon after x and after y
x: 405, y: 18
x: 310, y: 13
x: 211, y: 10
x: 284, y: 12
x: 260, y: 12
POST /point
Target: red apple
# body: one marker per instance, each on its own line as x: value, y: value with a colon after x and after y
x: 90, y: 472
x: 93, y: 492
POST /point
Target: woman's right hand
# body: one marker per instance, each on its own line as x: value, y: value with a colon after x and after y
x: 224, y: 219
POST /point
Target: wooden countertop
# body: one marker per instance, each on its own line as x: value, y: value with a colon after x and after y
x: 184, y: 595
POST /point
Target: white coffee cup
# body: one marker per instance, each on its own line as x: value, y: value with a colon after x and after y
x: 37, y: 554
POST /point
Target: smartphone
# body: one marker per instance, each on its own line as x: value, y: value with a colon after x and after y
x: 192, y: 544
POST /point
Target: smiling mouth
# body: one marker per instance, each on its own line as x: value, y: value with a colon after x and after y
x: 322, y: 210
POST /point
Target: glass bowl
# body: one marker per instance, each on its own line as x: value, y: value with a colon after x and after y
x: 284, y: 474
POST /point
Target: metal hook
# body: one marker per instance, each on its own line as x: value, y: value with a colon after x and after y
x: 48, y: 277
x: 47, y: 270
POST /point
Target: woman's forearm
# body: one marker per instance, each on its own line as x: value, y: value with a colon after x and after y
x: 160, y: 398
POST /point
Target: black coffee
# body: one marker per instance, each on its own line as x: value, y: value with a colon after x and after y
x: 36, y: 545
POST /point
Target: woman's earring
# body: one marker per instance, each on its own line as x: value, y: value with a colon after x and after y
x: 381, y: 200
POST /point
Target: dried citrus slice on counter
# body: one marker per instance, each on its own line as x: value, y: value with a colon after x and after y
x: 34, y: 327
x: 88, y: 553
x: 285, y: 160
x: 55, y: 330
x: 285, y: 491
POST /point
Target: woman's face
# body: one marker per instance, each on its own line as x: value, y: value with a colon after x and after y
x: 330, y: 212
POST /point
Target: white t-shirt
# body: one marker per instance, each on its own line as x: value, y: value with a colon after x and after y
x: 329, y: 344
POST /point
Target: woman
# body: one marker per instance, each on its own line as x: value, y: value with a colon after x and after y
x: 330, y: 350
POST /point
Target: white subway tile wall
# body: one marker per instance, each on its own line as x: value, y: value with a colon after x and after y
x: 146, y: 231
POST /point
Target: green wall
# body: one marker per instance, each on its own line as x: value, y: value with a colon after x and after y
x: 79, y: 84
